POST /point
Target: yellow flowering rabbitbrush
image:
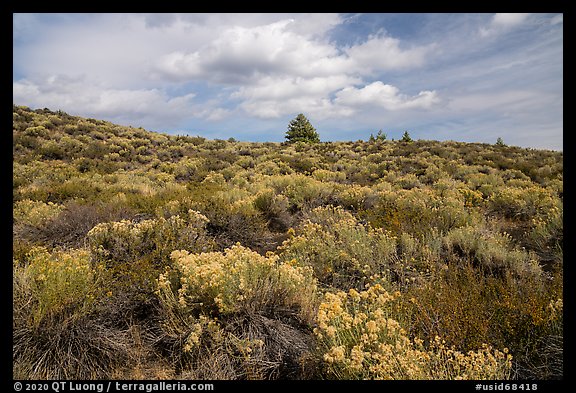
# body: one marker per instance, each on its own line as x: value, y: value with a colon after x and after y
x: 35, y: 213
x: 126, y: 241
x: 360, y: 337
x: 237, y: 280
x: 58, y: 280
x: 342, y: 251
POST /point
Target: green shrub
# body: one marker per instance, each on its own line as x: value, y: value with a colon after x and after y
x: 342, y: 252
x: 274, y: 208
x: 467, y: 308
x: 37, y: 131
x: 416, y: 211
x: 356, y: 197
x: 492, y: 252
x: 126, y: 241
x: 302, y: 191
x: 546, y: 238
x: 233, y: 216
x: 523, y: 203
x: 325, y: 175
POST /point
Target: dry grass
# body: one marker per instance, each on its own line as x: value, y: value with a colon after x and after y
x: 63, y: 347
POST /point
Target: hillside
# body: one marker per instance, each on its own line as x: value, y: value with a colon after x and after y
x: 138, y: 254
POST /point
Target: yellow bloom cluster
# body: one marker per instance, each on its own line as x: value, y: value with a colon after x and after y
x: 342, y: 251
x: 329, y: 176
x: 181, y: 207
x: 155, y: 238
x: 471, y: 197
x: 214, y: 178
x: 354, y: 196
x: 360, y: 337
x: 35, y: 213
x: 129, y: 182
x: 238, y: 279
x: 526, y: 203
x: 59, y: 279
x: 555, y: 307
x: 203, y: 325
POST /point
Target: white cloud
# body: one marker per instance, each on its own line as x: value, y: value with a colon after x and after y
x: 319, y: 107
x: 522, y: 106
x: 77, y: 95
x: 502, y: 22
x: 116, y: 49
x: 557, y: 19
x: 386, y: 96
x: 274, y: 97
x: 383, y: 53
x: 314, y: 25
x: 284, y: 66
x: 269, y: 64
x: 243, y: 55
x: 216, y: 114
x: 509, y: 19
x: 280, y: 88
x: 290, y: 47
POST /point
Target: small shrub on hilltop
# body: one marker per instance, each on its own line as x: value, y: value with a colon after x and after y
x: 406, y: 137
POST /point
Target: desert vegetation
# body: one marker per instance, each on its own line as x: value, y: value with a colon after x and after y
x: 142, y: 255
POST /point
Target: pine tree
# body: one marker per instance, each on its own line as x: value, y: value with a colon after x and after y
x: 300, y: 130
x: 406, y: 137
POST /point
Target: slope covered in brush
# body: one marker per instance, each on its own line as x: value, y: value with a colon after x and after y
x: 139, y: 254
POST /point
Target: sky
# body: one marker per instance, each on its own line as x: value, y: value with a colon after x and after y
x: 462, y: 77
